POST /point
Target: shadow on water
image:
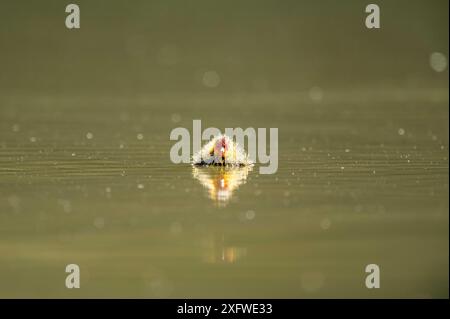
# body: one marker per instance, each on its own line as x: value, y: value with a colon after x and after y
x: 221, y: 182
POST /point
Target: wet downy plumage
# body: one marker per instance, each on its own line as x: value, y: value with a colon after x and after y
x: 221, y: 151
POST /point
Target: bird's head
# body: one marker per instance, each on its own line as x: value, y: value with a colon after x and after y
x: 221, y: 147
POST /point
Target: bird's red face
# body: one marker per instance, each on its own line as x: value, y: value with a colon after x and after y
x: 220, y: 149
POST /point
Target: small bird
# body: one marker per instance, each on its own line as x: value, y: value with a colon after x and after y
x: 221, y: 151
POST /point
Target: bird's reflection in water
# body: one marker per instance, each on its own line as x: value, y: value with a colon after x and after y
x: 221, y: 182
x: 219, y: 251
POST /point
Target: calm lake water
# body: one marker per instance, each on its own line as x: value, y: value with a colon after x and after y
x: 85, y: 174
x: 362, y: 178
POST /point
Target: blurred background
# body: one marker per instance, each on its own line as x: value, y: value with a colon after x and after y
x: 166, y: 46
x: 85, y: 174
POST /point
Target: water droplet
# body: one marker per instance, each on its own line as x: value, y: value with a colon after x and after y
x: 211, y: 79
x: 66, y: 205
x: 16, y: 128
x: 249, y: 215
x: 438, y: 61
x: 175, y: 118
x: 325, y: 223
